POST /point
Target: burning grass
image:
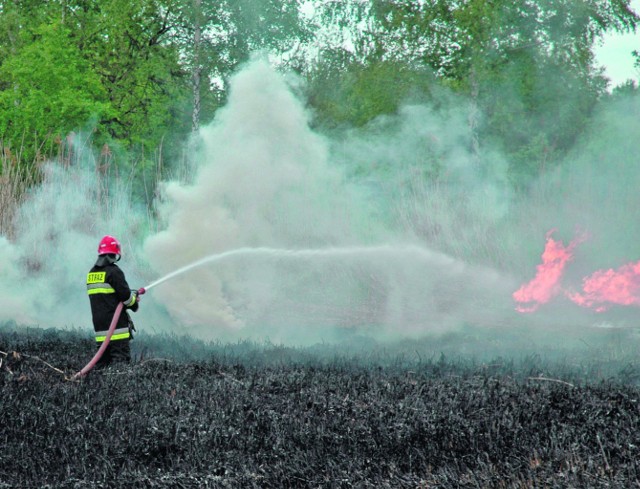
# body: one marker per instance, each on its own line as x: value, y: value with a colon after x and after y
x: 186, y: 414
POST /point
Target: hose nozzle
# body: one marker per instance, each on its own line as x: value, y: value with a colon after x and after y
x: 141, y: 290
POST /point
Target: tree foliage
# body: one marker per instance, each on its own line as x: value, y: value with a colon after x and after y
x: 230, y: 31
x: 138, y: 67
x: 142, y: 73
x: 362, y: 92
x: 49, y: 90
x: 528, y: 65
x: 102, y: 66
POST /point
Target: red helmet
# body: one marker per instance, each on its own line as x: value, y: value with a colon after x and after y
x: 109, y: 246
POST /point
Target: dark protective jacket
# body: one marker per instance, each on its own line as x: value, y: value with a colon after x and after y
x: 106, y: 287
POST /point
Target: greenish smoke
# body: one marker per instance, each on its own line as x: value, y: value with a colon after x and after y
x: 456, y: 240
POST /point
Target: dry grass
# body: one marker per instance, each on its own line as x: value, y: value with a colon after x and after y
x: 13, y: 185
x: 17, y: 175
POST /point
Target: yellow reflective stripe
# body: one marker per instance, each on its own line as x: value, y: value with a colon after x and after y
x: 121, y: 336
x: 116, y: 331
x: 101, y: 291
x: 131, y: 300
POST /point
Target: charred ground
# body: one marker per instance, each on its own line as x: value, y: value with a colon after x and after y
x: 189, y: 414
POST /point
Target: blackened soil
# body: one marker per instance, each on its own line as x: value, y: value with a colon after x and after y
x: 305, y: 422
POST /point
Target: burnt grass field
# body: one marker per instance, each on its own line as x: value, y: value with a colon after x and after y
x: 244, y: 415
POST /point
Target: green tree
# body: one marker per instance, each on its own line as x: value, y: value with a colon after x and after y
x: 214, y: 38
x: 351, y: 78
x: 110, y: 64
x: 357, y: 93
x: 129, y: 46
x: 48, y: 90
x: 527, y: 66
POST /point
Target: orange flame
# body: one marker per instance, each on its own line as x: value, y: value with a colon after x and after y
x: 621, y: 286
x: 546, y: 284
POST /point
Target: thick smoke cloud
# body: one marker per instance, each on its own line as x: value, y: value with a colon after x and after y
x: 265, y: 179
x: 324, y: 236
x: 14, y: 305
x: 43, y: 270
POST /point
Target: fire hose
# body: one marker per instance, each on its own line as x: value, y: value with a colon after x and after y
x: 107, y: 339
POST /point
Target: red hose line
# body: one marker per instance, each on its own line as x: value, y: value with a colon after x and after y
x: 103, y: 347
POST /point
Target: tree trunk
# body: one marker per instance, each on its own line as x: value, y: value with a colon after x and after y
x: 474, y: 116
x: 197, y: 69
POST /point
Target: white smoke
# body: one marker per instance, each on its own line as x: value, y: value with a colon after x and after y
x: 266, y: 179
x: 381, y: 251
x: 57, y: 229
x: 14, y: 303
x: 263, y: 180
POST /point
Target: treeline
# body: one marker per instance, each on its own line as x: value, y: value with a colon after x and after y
x: 139, y: 75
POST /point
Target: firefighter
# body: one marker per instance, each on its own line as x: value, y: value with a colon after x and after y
x: 107, y: 287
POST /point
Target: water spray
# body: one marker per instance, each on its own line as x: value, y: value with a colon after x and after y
x: 305, y: 253
x: 421, y: 252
